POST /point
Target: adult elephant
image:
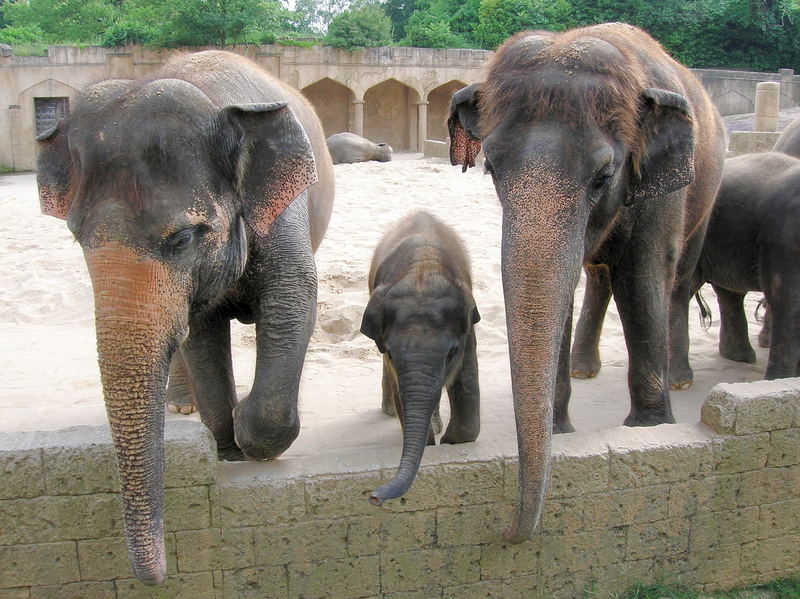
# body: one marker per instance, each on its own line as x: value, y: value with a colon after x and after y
x: 789, y: 141
x: 592, y: 137
x: 198, y: 195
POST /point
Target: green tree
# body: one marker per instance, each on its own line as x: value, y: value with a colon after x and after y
x: 498, y: 19
x: 316, y: 15
x: 63, y: 20
x: 358, y: 27
x: 399, y: 12
x: 425, y: 30
x: 442, y: 24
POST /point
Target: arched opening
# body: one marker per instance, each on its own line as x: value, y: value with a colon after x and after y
x: 333, y: 103
x: 438, y: 107
x: 390, y: 115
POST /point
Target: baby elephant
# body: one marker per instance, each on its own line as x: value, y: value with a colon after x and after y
x: 346, y: 148
x: 753, y: 244
x: 421, y: 315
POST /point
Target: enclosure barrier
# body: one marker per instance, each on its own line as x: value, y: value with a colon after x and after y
x: 714, y: 504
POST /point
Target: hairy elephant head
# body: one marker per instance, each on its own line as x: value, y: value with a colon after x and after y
x: 162, y: 189
x: 575, y: 136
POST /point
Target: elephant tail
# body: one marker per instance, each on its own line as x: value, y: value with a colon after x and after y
x: 706, y: 318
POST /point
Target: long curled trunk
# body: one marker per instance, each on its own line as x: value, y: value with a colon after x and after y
x: 140, y: 316
x: 541, y: 266
x: 419, y: 394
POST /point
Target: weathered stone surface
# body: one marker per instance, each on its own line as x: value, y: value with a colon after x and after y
x: 254, y: 501
x: 301, y: 542
x: 774, y: 484
x: 778, y: 519
x: 256, y: 583
x: 41, y: 564
x: 742, y: 453
x: 22, y: 473
x: 177, y: 586
x: 391, y: 533
x: 472, y: 524
x: 18, y: 593
x: 49, y: 519
x: 186, y: 508
x: 104, y: 559
x: 347, y: 495
x: 190, y: 454
x: 711, y: 494
x: 445, y: 485
x: 664, y: 538
x: 717, y: 530
x: 644, y: 504
x: 75, y: 590
x: 429, y: 568
x: 335, y: 578
x: 215, y: 549
x: 772, y: 556
x: 784, y: 449
x: 511, y: 561
x: 750, y: 408
x: 574, y: 553
x: 579, y: 465
x: 714, y: 565
x: 617, y: 578
x: 66, y: 454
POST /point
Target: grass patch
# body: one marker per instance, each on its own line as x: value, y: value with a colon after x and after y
x: 4, y: 170
x: 780, y: 589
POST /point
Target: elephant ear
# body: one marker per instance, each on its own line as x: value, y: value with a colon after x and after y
x: 268, y: 156
x: 372, y: 321
x: 54, y: 171
x: 463, y: 127
x: 666, y: 160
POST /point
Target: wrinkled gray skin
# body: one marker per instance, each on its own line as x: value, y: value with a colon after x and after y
x: 189, y: 194
x: 421, y: 315
x: 347, y: 148
x: 753, y: 244
x: 789, y: 141
x: 592, y: 137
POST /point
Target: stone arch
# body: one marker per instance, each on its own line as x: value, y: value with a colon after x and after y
x: 333, y: 103
x: 438, y: 108
x: 734, y: 102
x: 390, y: 114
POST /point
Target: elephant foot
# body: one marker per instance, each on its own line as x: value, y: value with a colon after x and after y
x: 681, y: 374
x: 562, y: 425
x: 436, y: 422
x: 764, y: 337
x: 738, y: 353
x: 680, y: 385
x: 584, y: 368
x: 649, y: 417
x: 387, y: 407
x: 181, y: 408
x: 230, y: 454
x: 465, y: 433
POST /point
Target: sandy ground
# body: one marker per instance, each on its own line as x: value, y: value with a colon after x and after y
x: 48, y: 359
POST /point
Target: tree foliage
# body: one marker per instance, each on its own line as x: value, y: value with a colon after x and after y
x: 358, y: 27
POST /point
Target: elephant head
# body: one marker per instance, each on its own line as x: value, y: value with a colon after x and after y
x: 163, y: 189
x: 576, y: 137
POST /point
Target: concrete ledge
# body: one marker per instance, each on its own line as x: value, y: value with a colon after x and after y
x: 748, y: 142
x: 714, y: 504
x: 436, y: 149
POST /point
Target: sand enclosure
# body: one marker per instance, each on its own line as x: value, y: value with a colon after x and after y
x: 48, y: 358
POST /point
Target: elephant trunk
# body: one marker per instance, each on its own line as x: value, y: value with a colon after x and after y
x: 140, y: 317
x: 419, y: 394
x: 541, y: 264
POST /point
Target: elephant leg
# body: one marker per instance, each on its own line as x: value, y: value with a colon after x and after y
x: 465, y: 399
x: 207, y: 355
x: 282, y: 285
x: 733, y: 340
x: 784, y: 349
x: 765, y: 334
x: 180, y: 395
x: 390, y: 393
x: 563, y: 389
x: 643, y: 303
x: 686, y: 286
x: 436, y: 421
x: 585, y: 360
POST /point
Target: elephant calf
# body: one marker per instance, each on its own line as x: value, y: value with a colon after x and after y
x: 421, y: 315
x: 753, y: 244
x: 346, y: 148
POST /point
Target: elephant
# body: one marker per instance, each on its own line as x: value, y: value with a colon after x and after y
x: 789, y: 141
x: 752, y: 244
x: 592, y: 137
x: 198, y: 195
x: 347, y: 148
x: 421, y: 315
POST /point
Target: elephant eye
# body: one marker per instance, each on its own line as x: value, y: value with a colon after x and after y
x: 182, y: 240
x: 599, y: 183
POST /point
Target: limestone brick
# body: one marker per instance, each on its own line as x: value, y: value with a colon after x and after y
x: 65, y: 454
x: 718, y: 530
x: 271, y: 582
x: 566, y: 585
x: 612, y: 579
x: 107, y: 558
x: 190, y: 454
x: 777, y: 484
x: 18, y: 593
x: 779, y: 519
x: 255, y: 502
x: 643, y: 504
x: 784, y: 448
x: 711, y: 494
x: 511, y: 561
x: 714, y: 565
x: 342, y: 496
x: 429, y: 568
x: 335, y: 578
x: 301, y: 542
x: 178, y: 586
x: 750, y: 408
x: 483, y: 589
x: 186, y: 508
x: 734, y: 454
x: 75, y: 590
x: 472, y: 524
x: 575, y: 553
x: 391, y: 533
x: 579, y: 465
x: 663, y: 538
x: 49, y: 519
x: 774, y: 555
x: 22, y: 473
x: 41, y: 564
x: 213, y: 548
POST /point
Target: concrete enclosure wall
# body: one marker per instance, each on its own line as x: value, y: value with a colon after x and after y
x: 396, y: 95
x: 714, y: 504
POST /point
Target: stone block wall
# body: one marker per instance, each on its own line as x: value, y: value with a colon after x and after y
x: 714, y: 504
